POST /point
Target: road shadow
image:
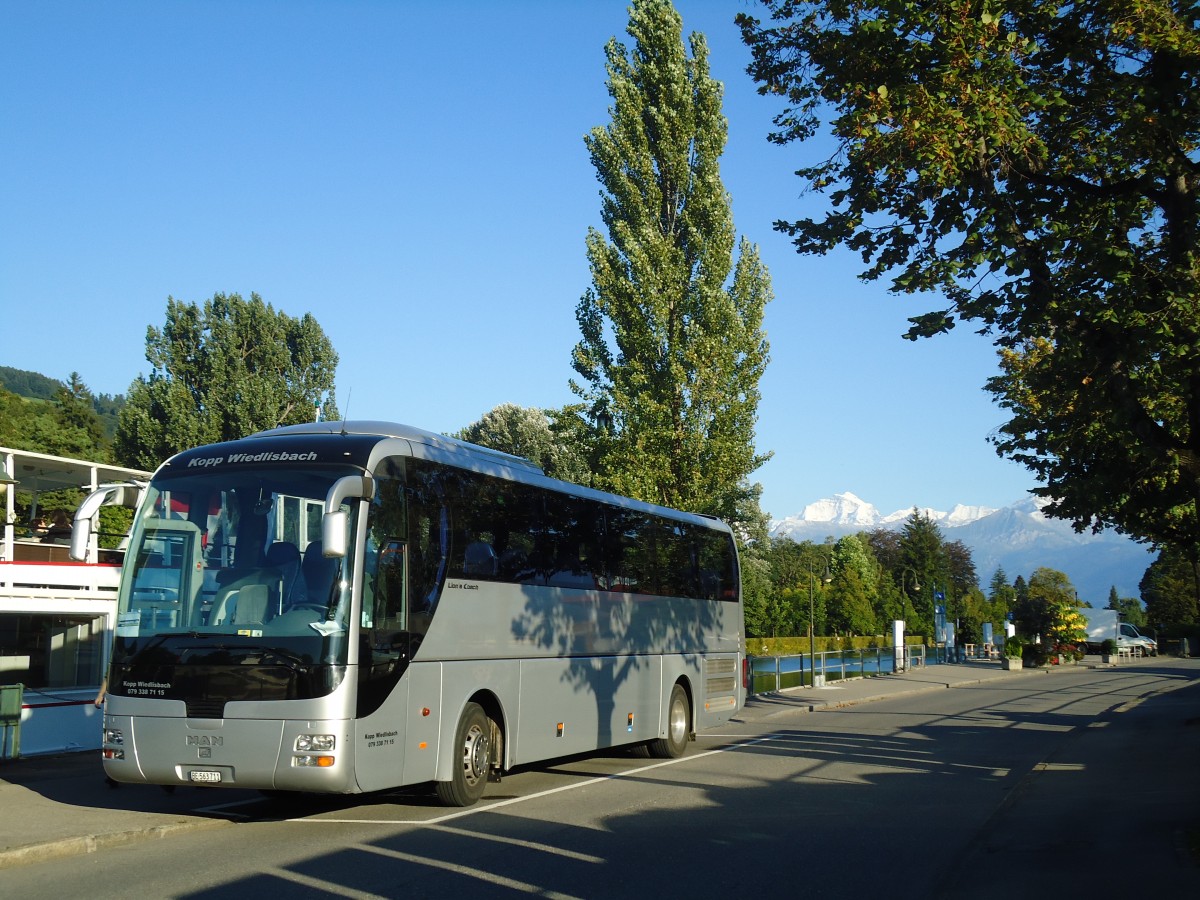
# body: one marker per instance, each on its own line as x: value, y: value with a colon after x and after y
x: 900, y: 802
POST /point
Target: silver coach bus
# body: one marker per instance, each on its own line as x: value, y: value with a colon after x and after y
x: 347, y: 607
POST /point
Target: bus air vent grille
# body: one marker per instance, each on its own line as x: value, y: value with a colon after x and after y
x: 206, y: 709
x: 720, y: 677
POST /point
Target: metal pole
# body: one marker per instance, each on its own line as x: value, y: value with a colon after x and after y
x: 812, y: 639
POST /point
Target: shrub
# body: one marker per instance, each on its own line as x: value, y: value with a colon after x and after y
x: 1035, y: 655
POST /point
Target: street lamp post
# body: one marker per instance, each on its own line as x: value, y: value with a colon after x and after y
x: 812, y: 618
x: 940, y: 638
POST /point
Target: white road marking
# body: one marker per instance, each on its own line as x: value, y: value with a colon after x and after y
x: 512, y: 801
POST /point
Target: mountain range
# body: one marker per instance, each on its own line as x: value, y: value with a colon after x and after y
x: 1018, y: 538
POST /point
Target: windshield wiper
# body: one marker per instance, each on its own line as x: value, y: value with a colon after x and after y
x: 280, y: 655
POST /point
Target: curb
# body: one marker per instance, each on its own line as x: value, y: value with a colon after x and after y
x: 797, y: 704
x: 93, y: 843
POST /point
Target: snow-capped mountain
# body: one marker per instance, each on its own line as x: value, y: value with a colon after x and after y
x: 1018, y: 538
x: 850, y: 513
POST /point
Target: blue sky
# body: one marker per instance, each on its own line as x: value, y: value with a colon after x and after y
x: 414, y: 175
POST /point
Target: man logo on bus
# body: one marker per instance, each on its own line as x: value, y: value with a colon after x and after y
x: 204, y: 740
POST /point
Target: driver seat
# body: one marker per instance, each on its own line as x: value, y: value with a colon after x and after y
x: 285, y: 558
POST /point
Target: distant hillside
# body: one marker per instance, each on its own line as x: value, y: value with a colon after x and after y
x: 30, y: 385
x: 36, y: 386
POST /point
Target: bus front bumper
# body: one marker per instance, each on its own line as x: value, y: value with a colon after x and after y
x: 270, y: 754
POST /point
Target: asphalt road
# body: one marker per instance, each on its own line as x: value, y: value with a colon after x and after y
x: 1040, y: 785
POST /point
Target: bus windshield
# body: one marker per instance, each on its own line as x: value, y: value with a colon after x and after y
x: 225, y: 567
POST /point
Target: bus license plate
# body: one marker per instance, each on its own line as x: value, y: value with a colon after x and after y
x: 204, y: 776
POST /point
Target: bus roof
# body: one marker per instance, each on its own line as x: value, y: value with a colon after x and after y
x: 407, y: 432
x: 361, y: 435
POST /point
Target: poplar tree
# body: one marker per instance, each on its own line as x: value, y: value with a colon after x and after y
x: 672, y: 345
x: 853, y: 589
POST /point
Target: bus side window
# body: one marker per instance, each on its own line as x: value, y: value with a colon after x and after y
x: 390, y: 587
x: 386, y: 644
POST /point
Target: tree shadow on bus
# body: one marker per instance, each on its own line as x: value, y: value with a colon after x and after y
x: 609, y: 645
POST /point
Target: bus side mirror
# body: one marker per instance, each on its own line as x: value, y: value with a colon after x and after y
x: 333, y: 534
x: 81, y: 536
x: 125, y: 494
x: 334, y: 523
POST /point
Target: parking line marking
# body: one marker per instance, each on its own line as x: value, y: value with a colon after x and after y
x: 500, y: 804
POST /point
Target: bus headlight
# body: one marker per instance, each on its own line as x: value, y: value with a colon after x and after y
x: 308, y: 742
x: 114, y: 736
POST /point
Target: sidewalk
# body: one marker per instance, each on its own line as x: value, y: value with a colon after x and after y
x: 853, y: 691
x: 56, y: 806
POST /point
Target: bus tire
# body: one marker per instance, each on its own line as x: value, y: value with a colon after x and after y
x: 679, y: 727
x: 472, y: 759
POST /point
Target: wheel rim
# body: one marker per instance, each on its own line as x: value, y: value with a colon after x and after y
x: 475, y: 755
x: 678, y: 724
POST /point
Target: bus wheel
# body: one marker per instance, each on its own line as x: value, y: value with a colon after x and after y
x: 679, y: 726
x: 473, y: 757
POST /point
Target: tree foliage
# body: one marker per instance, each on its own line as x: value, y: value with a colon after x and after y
x: 759, y: 597
x: 76, y: 411
x: 974, y: 609
x: 1170, y: 588
x: 67, y: 425
x: 960, y: 571
x: 883, y: 575
x: 24, y: 383
x: 35, y: 386
x: 853, y: 589
x: 1129, y: 608
x: 1036, y: 164
x: 672, y: 347
x: 1050, y: 608
x: 924, y: 568
x: 999, y: 588
x: 222, y: 371
x: 1001, y: 595
x: 797, y: 572
x: 531, y: 433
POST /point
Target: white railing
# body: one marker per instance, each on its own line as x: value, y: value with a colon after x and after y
x: 57, y: 581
